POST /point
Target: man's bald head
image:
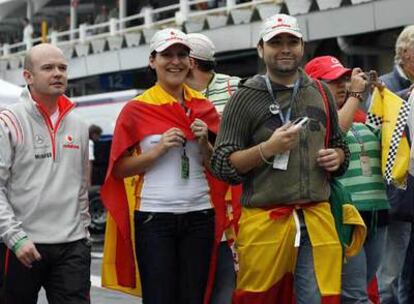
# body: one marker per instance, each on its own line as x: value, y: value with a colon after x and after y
x: 45, y: 72
x: 36, y: 51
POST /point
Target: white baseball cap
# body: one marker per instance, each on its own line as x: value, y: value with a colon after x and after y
x: 201, y: 47
x: 279, y: 24
x: 165, y: 38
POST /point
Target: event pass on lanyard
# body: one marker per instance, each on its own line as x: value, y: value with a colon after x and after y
x: 185, y: 163
x: 281, y: 160
x: 363, y: 156
x: 365, y: 163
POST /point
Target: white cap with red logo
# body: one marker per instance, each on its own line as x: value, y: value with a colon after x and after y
x: 165, y: 38
x: 280, y: 24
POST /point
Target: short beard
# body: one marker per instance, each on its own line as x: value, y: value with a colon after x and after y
x: 282, y: 75
x: 286, y: 71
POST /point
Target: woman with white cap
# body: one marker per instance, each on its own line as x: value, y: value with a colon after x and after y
x: 161, y: 138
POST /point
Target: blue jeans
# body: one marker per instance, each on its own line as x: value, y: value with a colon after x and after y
x: 173, y: 253
x: 225, y: 278
x: 305, y: 285
x: 389, y: 272
x: 359, y: 270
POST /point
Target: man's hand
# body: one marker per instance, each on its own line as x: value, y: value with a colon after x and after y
x: 359, y: 81
x: 283, y: 139
x: 330, y: 159
x: 27, y: 254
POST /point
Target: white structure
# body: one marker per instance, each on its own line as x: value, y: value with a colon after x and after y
x: 103, y: 109
x: 9, y: 93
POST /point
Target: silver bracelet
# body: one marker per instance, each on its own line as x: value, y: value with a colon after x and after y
x: 262, y: 156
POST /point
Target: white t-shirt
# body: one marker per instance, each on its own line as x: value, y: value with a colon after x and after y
x: 91, y: 150
x: 163, y: 189
x: 54, y: 117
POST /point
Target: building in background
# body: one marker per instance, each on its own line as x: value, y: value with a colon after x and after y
x: 359, y: 32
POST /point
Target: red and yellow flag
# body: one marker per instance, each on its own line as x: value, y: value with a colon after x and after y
x: 267, y: 255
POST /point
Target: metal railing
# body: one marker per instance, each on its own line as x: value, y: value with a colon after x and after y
x: 173, y: 15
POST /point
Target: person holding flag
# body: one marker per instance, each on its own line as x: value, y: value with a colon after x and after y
x: 161, y: 143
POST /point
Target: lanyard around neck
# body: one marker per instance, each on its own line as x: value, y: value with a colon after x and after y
x: 275, y: 106
x: 358, y: 137
x: 207, y: 89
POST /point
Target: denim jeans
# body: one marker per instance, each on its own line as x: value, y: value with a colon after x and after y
x: 225, y: 277
x: 396, y: 243
x: 305, y: 285
x: 359, y: 270
x: 173, y: 253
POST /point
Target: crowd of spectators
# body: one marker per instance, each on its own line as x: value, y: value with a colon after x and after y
x: 32, y: 28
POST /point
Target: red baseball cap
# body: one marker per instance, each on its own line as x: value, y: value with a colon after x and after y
x: 326, y: 68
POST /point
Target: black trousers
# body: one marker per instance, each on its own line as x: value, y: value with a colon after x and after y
x: 63, y: 271
x: 173, y: 252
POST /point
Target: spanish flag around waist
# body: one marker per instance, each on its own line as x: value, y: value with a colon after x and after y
x: 267, y: 254
x: 389, y: 113
x: 266, y: 246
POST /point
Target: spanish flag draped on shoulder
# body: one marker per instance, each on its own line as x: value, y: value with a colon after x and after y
x: 153, y: 112
x: 389, y: 113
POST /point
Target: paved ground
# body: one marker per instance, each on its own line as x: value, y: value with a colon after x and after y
x: 100, y: 295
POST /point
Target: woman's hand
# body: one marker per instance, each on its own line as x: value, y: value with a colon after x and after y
x: 200, y: 131
x: 173, y: 137
x: 130, y: 164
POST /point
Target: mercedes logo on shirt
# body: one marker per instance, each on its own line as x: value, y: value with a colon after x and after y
x: 39, y: 139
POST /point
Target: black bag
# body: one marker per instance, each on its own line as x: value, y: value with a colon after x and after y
x: 402, y: 201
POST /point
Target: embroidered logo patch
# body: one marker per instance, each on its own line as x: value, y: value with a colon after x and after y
x: 43, y: 155
x: 70, y: 143
x: 39, y: 139
x: 68, y: 139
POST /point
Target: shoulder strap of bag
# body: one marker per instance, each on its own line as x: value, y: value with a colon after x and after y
x: 327, y: 110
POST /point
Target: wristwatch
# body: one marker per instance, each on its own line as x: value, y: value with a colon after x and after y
x: 357, y: 95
